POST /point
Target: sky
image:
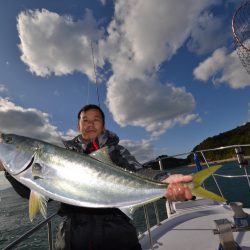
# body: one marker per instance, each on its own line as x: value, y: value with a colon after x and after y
x: 167, y: 71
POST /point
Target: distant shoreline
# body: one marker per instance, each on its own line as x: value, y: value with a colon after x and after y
x: 219, y: 161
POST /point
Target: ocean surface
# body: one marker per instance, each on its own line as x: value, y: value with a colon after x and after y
x: 14, y: 220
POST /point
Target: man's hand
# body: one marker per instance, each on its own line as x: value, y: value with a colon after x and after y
x: 176, y: 190
x: 1, y: 166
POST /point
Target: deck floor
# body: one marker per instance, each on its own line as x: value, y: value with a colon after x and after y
x: 193, y: 229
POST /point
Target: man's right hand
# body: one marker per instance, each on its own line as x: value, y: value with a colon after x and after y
x: 1, y: 166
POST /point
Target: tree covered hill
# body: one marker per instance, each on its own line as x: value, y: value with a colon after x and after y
x: 236, y: 136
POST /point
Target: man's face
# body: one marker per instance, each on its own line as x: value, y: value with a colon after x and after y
x: 90, y: 124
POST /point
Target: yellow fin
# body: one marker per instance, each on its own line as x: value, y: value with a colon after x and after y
x: 201, y: 192
x: 37, y: 202
x: 201, y: 176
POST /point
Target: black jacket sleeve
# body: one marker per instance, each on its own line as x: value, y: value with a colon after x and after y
x: 22, y: 190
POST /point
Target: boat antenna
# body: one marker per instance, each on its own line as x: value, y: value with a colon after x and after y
x: 241, y: 27
x: 94, y: 66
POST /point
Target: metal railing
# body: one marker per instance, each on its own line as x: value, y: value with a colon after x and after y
x: 32, y: 231
x: 242, y: 162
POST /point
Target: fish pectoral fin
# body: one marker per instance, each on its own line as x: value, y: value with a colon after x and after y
x: 37, y: 170
x: 199, y: 191
x: 201, y: 176
x: 37, y: 202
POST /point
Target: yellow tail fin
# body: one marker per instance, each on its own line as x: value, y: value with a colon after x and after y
x: 199, y: 178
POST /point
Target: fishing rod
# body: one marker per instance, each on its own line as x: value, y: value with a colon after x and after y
x: 94, y: 66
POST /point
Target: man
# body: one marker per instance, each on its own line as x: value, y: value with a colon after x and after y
x: 103, y: 228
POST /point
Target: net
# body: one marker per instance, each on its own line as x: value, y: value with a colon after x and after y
x: 241, y: 32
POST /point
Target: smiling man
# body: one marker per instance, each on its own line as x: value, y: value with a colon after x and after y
x: 91, y: 123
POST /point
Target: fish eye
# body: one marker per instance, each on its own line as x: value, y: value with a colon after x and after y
x: 8, y: 139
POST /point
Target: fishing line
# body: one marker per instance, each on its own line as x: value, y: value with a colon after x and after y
x: 94, y: 66
x: 87, y: 102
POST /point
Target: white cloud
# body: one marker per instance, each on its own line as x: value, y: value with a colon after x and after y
x: 143, y: 150
x: 144, y: 34
x: 224, y: 68
x: 3, y: 88
x: 51, y: 43
x: 136, y: 46
x: 148, y: 104
x: 70, y: 134
x: 207, y: 35
x: 28, y: 122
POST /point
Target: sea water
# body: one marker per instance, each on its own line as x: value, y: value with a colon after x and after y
x: 14, y: 219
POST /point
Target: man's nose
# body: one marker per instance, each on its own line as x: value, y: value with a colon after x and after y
x: 90, y: 122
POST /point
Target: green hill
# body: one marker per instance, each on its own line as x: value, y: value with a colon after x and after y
x: 236, y: 136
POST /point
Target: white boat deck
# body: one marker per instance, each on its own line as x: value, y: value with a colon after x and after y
x: 192, y: 228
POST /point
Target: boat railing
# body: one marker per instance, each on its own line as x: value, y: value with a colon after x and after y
x: 47, y: 221
x: 240, y: 157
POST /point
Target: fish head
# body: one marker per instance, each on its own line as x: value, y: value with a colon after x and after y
x: 16, y: 152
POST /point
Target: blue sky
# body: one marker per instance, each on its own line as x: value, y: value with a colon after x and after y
x: 167, y: 71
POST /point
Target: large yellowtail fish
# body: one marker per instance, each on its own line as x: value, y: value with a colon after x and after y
x: 82, y: 180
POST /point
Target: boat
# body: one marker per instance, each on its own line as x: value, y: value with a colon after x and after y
x: 196, y: 224
x: 202, y: 223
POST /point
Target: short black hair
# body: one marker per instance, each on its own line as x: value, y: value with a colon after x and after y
x: 88, y: 107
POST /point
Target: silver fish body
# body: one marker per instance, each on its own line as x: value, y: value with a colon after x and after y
x: 73, y: 178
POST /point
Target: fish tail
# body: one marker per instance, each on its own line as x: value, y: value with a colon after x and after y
x: 199, y: 178
x: 201, y: 192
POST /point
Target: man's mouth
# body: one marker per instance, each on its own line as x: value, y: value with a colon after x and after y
x: 91, y: 131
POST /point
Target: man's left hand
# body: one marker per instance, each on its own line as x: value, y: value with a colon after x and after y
x: 177, y: 190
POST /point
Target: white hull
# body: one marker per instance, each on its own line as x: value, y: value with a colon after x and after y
x: 191, y: 228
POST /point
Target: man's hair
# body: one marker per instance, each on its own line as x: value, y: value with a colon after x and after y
x: 88, y: 107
